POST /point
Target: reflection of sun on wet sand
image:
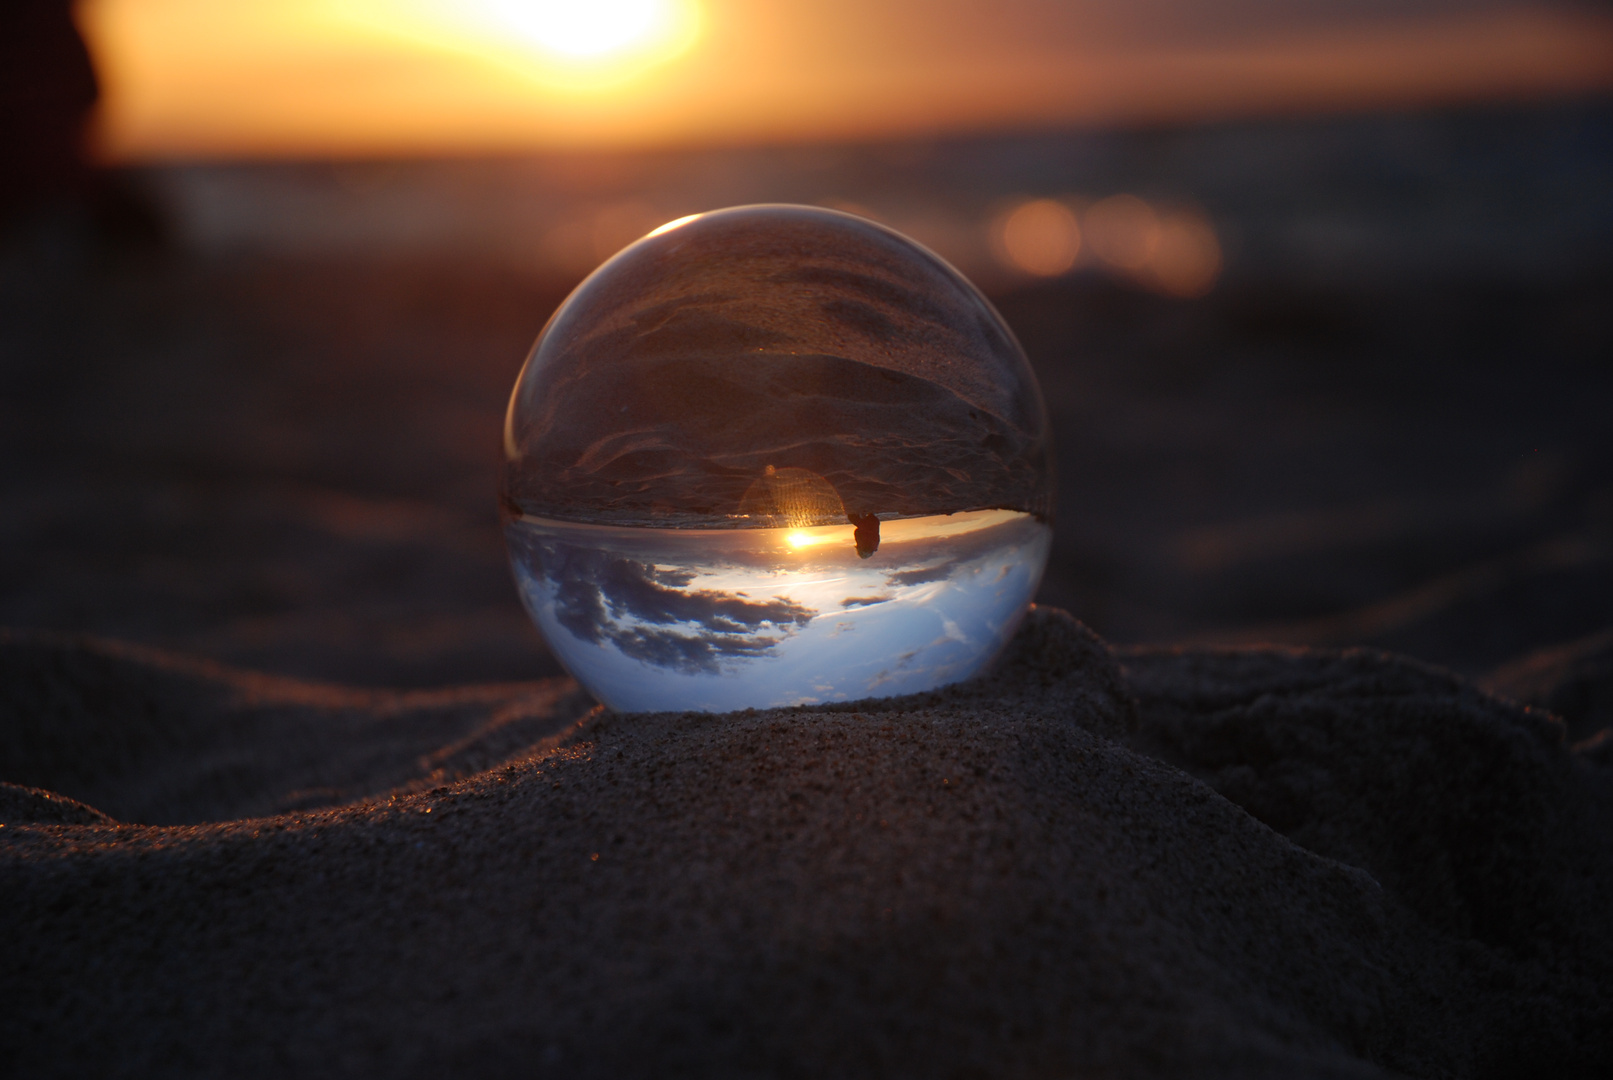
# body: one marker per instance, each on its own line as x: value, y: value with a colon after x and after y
x: 716, y: 618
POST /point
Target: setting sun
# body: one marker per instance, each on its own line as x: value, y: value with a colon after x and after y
x: 560, y: 42
x: 586, y: 30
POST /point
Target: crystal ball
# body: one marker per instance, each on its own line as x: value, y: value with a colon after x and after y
x: 775, y: 455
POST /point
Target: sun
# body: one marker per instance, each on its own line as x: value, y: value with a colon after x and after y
x: 589, y: 29
x: 561, y: 45
x: 581, y: 36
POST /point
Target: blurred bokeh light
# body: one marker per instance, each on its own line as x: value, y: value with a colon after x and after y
x: 1124, y: 231
x: 1040, y: 237
x: 1187, y: 256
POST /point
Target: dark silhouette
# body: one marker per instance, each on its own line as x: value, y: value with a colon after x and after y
x: 47, y: 92
x: 867, y: 534
x: 47, y: 88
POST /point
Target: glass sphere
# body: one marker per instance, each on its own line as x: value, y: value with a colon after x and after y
x: 775, y: 455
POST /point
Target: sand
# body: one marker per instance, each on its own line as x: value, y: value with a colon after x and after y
x: 1573, y: 680
x: 1247, y: 862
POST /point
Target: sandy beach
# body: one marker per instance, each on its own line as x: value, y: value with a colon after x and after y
x: 1158, y: 863
x: 289, y: 784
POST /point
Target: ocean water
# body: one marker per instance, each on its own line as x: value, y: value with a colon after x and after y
x: 722, y: 619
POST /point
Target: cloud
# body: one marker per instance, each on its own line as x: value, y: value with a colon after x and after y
x: 650, y: 614
x: 924, y: 574
x: 952, y: 557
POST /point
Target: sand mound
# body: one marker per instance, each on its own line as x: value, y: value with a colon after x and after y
x: 1253, y: 863
x: 1573, y: 680
x: 146, y: 736
x: 1469, y: 812
x: 20, y: 804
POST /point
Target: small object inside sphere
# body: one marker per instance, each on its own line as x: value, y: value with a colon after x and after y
x: 775, y: 455
x: 866, y: 534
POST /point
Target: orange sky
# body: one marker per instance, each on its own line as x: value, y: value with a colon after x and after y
x: 265, y: 78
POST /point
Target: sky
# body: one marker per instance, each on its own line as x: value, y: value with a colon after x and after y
x: 722, y: 619
x: 200, y: 79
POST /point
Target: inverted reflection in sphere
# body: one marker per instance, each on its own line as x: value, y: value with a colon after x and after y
x: 775, y: 455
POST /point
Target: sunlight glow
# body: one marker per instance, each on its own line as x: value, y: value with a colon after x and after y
x: 196, y: 79
x: 188, y: 78
x: 827, y: 534
x: 587, y: 29
x: 576, y: 43
x: 897, y: 531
